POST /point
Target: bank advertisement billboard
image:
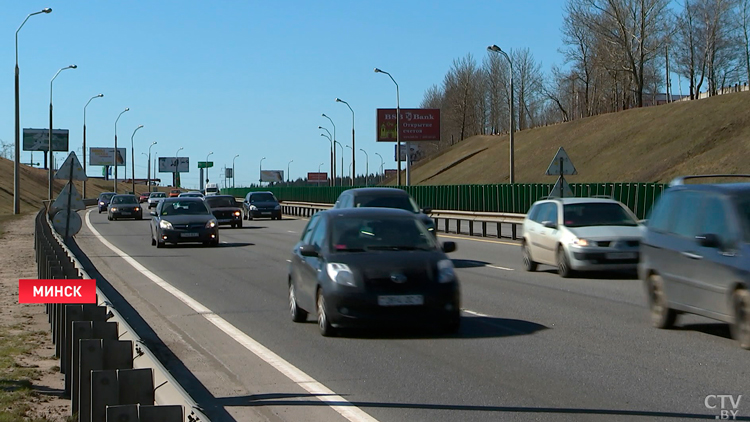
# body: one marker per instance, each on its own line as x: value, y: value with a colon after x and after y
x: 417, y: 124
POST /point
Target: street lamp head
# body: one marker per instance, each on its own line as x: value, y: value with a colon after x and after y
x: 378, y: 70
x: 126, y: 109
x: 494, y: 48
x: 338, y: 100
x: 139, y: 126
x: 153, y: 143
x: 47, y: 10
x: 72, y: 66
x: 324, y: 115
x: 100, y: 96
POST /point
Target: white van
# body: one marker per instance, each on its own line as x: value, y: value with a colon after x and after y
x: 212, y: 189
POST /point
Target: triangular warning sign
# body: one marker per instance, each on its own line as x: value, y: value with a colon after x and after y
x: 561, y: 165
x: 71, y: 164
x: 76, y: 203
x: 561, y: 190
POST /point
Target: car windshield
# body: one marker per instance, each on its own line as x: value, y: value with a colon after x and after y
x: 218, y: 202
x: 262, y: 197
x: 401, y: 202
x: 351, y: 234
x: 212, y: 189
x: 107, y: 196
x: 184, y: 208
x: 158, y: 195
x: 124, y: 200
x: 597, y: 214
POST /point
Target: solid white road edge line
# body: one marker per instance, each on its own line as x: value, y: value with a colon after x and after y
x: 500, y: 268
x: 323, y: 393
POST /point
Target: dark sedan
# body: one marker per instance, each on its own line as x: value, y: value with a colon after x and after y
x: 179, y: 220
x: 225, y: 209
x: 261, y: 204
x: 124, y: 206
x: 103, y: 201
x: 385, y: 198
x: 359, y: 267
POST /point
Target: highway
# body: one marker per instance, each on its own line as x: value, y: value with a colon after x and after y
x: 532, y: 346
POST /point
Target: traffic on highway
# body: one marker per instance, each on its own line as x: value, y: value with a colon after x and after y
x: 364, y: 301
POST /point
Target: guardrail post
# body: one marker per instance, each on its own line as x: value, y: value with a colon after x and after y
x: 84, y: 330
x: 484, y: 229
x: 90, y: 358
x: 105, y: 391
x: 471, y: 227
x: 513, y: 228
x: 499, y: 230
x: 71, y: 313
x: 136, y: 386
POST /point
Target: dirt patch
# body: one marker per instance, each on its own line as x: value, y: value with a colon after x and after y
x: 31, y: 385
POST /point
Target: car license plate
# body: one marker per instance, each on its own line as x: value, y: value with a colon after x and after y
x: 622, y: 255
x: 406, y: 300
x: 266, y: 213
x: 189, y: 234
x: 126, y: 213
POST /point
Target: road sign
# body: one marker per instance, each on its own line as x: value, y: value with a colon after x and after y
x: 174, y: 164
x: 76, y: 202
x: 62, y: 218
x: 561, y: 189
x: 317, y: 177
x: 561, y: 165
x: 205, y: 164
x: 71, y: 169
x: 228, y: 173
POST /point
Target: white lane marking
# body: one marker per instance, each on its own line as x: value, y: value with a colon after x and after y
x: 288, y: 260
x: 474, y: 313
x: 512, y: 330
x: 291, y: 231
x: 323, y: 393
x: 501, y: 268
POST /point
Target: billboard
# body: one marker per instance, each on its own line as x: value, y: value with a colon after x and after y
x: 391, y: 173
x: 317, y: 177
x: 105, y: 156
x: 272, y: 175
x: 38, y: 139
x: 416, y: 154
x: 417, y: 124
x: 174, y: 164
x: 228, y: 172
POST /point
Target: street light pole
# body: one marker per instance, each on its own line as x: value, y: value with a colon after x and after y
x: 342, y: 159
x: 132, y: 158
x: 207, y: 179
x: 114, y: 155
x: 260, y: 174
x: 381, y: 166
x: 354, y: 165
x: 498, y: 50
x: 367, y: 165
x: 334, y: 153
x: 176, y: 174
x: 333, y: 156
x: 156, y: 158
x: 148, y: 182
x: 398, y: 136
x: 234, y: 175
x: 84, y: 139
x: 17, y: 152
x: 287, y: 170
x: 350, y: 166
x: 50, y: 125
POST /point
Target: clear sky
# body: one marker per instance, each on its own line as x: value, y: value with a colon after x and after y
x: 247, y: 77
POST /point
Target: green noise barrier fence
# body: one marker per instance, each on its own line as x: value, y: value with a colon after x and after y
x: 516, y: 198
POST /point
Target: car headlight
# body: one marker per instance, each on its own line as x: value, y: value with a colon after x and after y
x: 580, y: 242
x: 211, y: 224
x: 166, y: 225
x: 341, y: 274
x: 113, y: 209
x: 446, y: 274
x: 253, y: 208
x: 136, y: 209
x: 237, y: 213
x: 277, y: 207
x: 101, y: 202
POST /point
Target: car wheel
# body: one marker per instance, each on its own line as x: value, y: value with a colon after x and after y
x: 452, y: 323
x: 741, y: 326
x: 528, y: 263
x: 662, y: 316
x: 324, y: 325
x: 160, y: 244
x: 239, y: 224
x: 153, y: 241
x: 298, y: 314
x: 100, y: 211
x: 563, y: 265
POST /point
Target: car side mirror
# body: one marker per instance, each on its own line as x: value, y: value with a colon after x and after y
x: 153, y: 213
x: 708, y: 240
x: 549, y: 224
x: 426, y: 210
x: 308, y: 250
x: 449, y: 247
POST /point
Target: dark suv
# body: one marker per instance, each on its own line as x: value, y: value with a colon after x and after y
x: 694, y: 255
x: 261, y: 204
x: 384, y: 198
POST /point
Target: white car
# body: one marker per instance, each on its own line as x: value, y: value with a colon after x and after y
x: 155, y: 197
x: 581, y: 234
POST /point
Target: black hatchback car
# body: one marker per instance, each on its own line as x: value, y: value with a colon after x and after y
x: 360, y: 267
x: 103, y: 200
x: 261, y: 204
x: 225, y: 208
x: 695, y: 255
x: 179, y: 220
x: 385, y: 198
x: 124, y: 206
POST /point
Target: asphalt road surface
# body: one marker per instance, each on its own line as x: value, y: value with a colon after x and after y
x: 532, y: 346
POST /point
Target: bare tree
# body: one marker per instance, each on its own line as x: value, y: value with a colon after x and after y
x: 6, y: 149
x: 743, y: 23
x: 497, y: 91
x: 528, y: 85
x: 579, y: 40
x: 461, y: 90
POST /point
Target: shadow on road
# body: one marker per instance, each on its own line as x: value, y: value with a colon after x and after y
x: 471, y: 327
x: 283, y: 399
x: 598, y: 275
x: 715, y: 329
x: 201, y: 246
x: 468, y: 263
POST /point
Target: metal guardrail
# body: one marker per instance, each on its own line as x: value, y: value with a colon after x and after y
x: 167, y: 391
x: 464, y: 222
